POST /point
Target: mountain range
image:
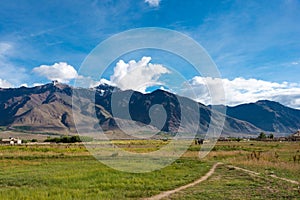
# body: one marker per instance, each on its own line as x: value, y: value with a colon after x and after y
x: 48, y: 108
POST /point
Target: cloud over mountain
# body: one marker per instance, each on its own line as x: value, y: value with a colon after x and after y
x: 241, y: 90
x: 61, y: 72
x: 5, y: 84
x: 137, y: 75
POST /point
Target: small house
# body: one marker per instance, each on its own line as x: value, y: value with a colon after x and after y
x: 11, y: 141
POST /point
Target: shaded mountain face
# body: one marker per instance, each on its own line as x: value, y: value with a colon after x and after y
x: 48, y: 108
x: 41, y: 108
x: 197, y: 117
x: 268, y: 116
x: 132, y: 105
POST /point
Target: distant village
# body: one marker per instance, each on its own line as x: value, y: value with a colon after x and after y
x: 265, y: 137
x: 262, y: 137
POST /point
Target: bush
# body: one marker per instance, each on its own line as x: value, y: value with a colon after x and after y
x: 69, y: 139
x: 262, y: 136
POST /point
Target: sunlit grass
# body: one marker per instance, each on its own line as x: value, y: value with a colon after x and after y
x: 271, y: 157
x: 227, y: 183
x: 69, y: 171
x: 58, y: 173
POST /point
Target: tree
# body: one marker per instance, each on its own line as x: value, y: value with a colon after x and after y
x: 271, y: 136
x: 262, y: 135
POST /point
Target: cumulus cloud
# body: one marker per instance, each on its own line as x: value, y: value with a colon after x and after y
x: 153, y: 3
x: 61, y: 72
x: 136, y: 75
x: 240, y: 90
x: 5, y: 84
x: 88, y: 82
x: 37, y: 84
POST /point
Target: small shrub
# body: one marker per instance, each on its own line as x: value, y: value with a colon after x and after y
x: 262, y: 136
x: 68, y: 139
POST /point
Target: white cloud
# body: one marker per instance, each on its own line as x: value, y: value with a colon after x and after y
x: 136, y: 75
x: 37, y: 84
x: 15, y: 75
x: 240, y: 90
x: 4, y: 48
x: 88, y: 82
x: 24, y: 85
x: 5, y: 84
x: 61, y: 72
x: 153, y: 3
x: 165, y: 89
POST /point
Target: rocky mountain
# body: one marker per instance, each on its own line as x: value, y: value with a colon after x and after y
x: 48, y: 108
x: 175, y: 108
x: 42, y: 108
x: 268, y: 115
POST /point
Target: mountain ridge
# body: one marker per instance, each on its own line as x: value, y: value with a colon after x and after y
x: 270, y: 116
x: 49, y: 108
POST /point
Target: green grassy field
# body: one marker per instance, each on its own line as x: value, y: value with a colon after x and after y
x: 70, y: 172
x: 271, y: 157
x: 230, y: 184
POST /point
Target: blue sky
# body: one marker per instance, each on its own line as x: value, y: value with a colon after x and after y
x: 251, y: 42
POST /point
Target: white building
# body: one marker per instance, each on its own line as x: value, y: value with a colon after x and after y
x: 11, y: 141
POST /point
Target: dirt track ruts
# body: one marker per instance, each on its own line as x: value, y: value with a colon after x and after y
x: 169, y: 192
x: 206, y: 176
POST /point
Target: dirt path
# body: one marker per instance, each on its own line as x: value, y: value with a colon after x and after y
x: 206, y: 176
x: 203, y: 178
x: 257, y: 174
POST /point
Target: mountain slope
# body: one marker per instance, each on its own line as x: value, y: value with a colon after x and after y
x: 268, y: 116
x: 141, y: 106
x: 41, y: 108
x: 49, y: 108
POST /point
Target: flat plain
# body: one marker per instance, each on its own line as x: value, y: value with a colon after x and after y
x: 68, y: 171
